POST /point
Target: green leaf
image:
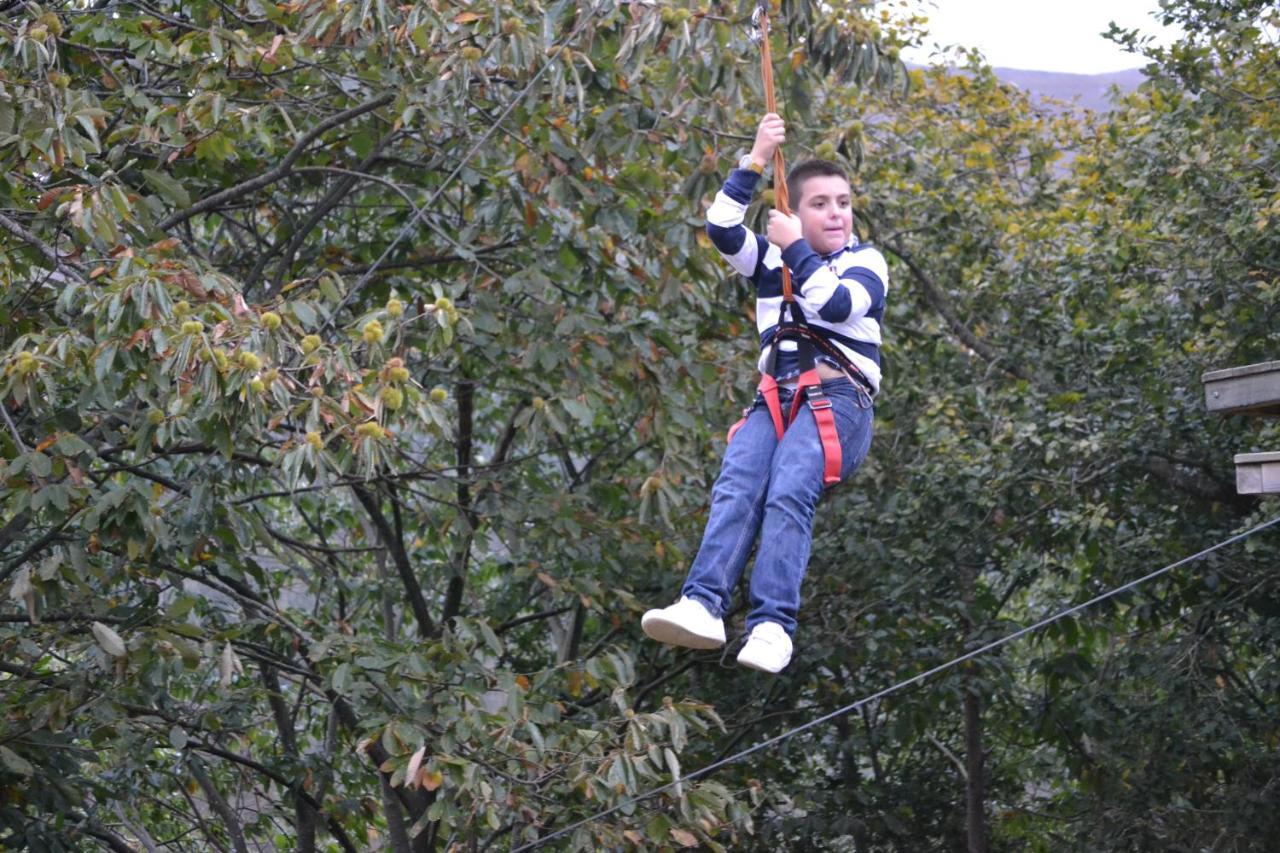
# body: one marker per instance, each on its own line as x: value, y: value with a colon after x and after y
x: 102, y: 365
x: 16, y: 763
x: 491, y: 639
x: 342, y: 678
x: 39, y: 464
x: 169, y: 188
x: 72, y: 445
x: 673, y: 764
x: 305, y: 313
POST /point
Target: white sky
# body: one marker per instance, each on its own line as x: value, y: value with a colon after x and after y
x: 1040, y: 35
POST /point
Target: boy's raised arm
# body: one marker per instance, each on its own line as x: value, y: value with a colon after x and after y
x: 742, y: 249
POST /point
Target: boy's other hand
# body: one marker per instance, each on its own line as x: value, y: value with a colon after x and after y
x: 771, y: 133
x: 783, y: 229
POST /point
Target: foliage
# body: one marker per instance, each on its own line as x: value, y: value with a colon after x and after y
x: 365, y: 372
x: 351, y: 353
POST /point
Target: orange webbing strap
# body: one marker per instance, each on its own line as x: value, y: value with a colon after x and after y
x: 780, y: 200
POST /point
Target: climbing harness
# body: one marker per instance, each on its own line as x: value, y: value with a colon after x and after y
x: 791, y: 323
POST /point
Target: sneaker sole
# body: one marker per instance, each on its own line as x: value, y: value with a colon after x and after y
x: 665, y: 631
x: 759, y: 667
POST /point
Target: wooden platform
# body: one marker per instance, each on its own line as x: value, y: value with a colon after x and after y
x: 1250, y: 390
x: 1258, y: 473
x: 1253, y: 389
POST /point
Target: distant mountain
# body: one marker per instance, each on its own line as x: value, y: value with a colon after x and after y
x: 1089, y: 91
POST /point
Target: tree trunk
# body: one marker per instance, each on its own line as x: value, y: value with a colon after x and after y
x: 975, y: 788
x: 466, y: 425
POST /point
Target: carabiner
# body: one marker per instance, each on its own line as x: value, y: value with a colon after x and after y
x: 761, y: 10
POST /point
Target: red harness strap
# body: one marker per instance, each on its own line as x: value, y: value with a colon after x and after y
x: 810, y: 387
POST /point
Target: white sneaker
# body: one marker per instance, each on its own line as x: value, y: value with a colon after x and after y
x: 768, y: 649
x: 686, y: 623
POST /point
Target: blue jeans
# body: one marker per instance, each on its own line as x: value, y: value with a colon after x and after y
x: 770, y: 487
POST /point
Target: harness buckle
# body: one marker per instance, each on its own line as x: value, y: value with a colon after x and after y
x: 819, y: 403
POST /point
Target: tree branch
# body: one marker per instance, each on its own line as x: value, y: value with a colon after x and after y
x: 36, y: 547
x: 113, y: 841
x: 532, y: 617
x: 395, y: 817
x: 428, y: 260
x: 305, y: 816
x: 1197, y: 484
x: 335, y: 828
x: 50, y: 254
x: 219, y: 805
x: 334, y: 197
x: 416, y: 803
x: 938, y: 302
x: 413, y: 589
x: 465, y: 395
x: 274, y: 174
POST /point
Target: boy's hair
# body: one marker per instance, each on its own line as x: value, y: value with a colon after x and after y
x: 807, y: 169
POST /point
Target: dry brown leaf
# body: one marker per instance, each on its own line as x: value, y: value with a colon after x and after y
x: 684, y: 837
x: 270, y: 55
x: 411, y: 772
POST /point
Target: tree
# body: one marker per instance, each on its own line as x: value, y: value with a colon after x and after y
x: 355, y: 359
x: 365, y: 374
x: 1042, y: 439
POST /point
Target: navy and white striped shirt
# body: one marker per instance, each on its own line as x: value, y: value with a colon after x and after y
x: 842, y: 294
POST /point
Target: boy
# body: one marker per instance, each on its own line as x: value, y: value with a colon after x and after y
x: 770, y: 485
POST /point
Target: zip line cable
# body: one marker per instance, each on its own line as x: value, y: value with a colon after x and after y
x: 408, y: 226
x: 915, y: 679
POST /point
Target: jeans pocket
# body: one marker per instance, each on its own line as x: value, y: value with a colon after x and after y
x: 855, y: 425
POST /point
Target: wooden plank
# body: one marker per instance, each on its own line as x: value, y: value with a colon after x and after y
x: 1258, y: 473
x: 1252, y: 389
x: 1258, y: 458
x: 1244, y: 370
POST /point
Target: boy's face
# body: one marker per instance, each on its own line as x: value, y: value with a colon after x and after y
x: 825, y: 211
